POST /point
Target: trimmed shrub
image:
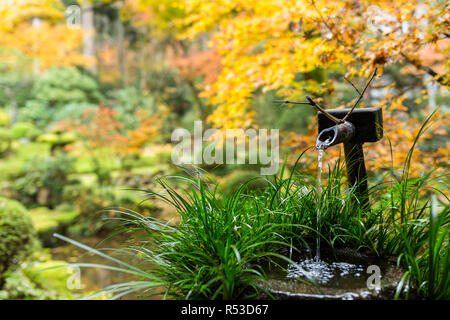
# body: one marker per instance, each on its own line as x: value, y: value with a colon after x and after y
x: 17, y: 235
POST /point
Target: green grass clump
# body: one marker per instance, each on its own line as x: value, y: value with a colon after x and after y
x: 214, y: 253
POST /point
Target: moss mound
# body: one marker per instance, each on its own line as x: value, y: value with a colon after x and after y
x: 17, y: 235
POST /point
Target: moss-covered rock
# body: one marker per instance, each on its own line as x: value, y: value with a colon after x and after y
x: 17, y: 235
x: 45, y: 219
x: 40, y: 280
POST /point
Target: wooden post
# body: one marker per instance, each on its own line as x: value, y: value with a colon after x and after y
x: 356, y: 171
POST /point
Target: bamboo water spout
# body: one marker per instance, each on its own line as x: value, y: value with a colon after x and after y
x: 360, y: 126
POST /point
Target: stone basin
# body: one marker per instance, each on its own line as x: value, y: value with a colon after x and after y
x: 342, y: 277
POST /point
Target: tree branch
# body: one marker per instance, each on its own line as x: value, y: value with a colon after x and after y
x: 325, y: 22
x: 428, y: 70
x: 348, y: 80
x: 315, y: 105
x: 291, y: 102
x: 311, y: 102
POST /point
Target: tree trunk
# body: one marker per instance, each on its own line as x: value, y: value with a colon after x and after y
x: 36, y: 22
x: 87, y: 23
x: 121, y: 52
x: 13, y: 110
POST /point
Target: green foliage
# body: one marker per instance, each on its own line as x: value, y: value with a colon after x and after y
x: 18, y: 286
x: 60, y: 86
x: 127, y: 101
x: 37, y: 112
x: 5, y: 141
x: 16, y: 77
x: 52, y: 281
x: 17, y: 235
x: 24, y: 130
x: 45, y: 219
x: 44, y: 179
x: 12, y: 166
x: 57, y: 138
x: 59, y: 94
x: 89, y: 207
x: 223, y: 240
x: 43, y: 116
x: 427, y: 257
x: 103, y: 173
x: 214, y: 250
x: 71, y: 111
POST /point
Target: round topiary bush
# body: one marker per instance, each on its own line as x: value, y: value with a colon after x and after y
x: 17, y: 235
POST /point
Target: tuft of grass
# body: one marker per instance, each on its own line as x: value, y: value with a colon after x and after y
x: 216, y: 252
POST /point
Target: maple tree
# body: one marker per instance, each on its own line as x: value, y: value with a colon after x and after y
x: 100, y: 129
x: 266, y: 43
x: 199, y: 70
x: 48, y: 40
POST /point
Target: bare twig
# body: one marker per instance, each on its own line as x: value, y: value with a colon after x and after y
x: 336, y: 36
x: 428, y: 70
x: 348, y: 80
x: 291, y: 102
x: 311, y: 102
x: 361, y: 95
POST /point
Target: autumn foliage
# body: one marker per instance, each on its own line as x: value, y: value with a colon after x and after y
x: 202, y: 64
x: 100, y: 129
x: 265, y: 44
x: 50, y: 41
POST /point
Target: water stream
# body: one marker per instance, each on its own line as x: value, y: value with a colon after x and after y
x: 317, y: 269
x: 321, y: 146
x: 319, y: 195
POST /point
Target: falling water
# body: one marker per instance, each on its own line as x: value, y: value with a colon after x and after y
x: 322, y: 271
x: 319, y: 194
x: 321, y: 147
